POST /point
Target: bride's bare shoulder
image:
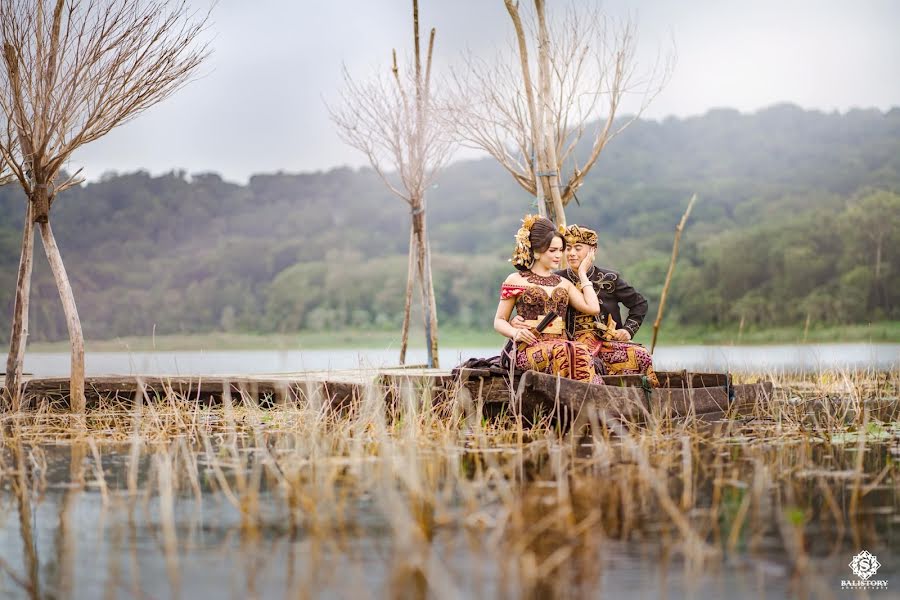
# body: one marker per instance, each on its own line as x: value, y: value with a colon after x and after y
x: 515, y: 279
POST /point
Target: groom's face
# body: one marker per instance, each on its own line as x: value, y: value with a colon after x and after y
x: 575, y: 253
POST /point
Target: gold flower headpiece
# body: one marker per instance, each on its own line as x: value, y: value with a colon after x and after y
x: 522, y: 256
x: 581, y: 235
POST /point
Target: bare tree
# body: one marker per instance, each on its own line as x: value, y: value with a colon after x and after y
x: 72, y: 71
x: 391, y: 119
x: 530, y: 113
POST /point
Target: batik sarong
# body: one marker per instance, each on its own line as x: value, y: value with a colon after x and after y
x: 558, y: 357
x: 619, y: 358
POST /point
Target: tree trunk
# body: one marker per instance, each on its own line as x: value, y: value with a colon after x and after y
x: 881, y: 295
x: 534, y: 119
x: 550, y: 172
x: 73, y: 323
x: 410, y: 274
x: 19, y: 335
x: 878, y: 239
x: 424, y: 271
x: 41, y: 202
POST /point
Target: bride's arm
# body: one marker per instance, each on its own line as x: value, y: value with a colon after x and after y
x: 501, y: 318
x: 506, y: 329
x: 584, y: 297
x: 584, y: 300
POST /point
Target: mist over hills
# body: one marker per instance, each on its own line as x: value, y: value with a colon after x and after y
x: 790, y: 202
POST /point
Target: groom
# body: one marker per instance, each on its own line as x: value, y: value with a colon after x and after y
x: 608, y: 339
x: 611, y: 289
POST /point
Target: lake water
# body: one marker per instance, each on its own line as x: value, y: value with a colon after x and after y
x: 775, y: 358
x: 61, y: 536
x: 71, y: 527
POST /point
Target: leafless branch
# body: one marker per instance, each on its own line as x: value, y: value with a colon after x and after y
x: 592, y: 70
x: 378, y: 117
x: 6, y: 176
x: 75, y: 69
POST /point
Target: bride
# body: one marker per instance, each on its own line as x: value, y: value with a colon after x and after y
x: 534, y: 290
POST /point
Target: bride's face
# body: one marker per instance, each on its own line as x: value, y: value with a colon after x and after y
x: 552, y: 256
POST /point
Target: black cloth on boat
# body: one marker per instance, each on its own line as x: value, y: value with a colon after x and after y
x: 492, y: 364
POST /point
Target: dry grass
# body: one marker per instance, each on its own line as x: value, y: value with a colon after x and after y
x: 415, y: 499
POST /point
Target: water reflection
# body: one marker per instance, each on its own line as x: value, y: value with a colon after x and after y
x: 219, y: 517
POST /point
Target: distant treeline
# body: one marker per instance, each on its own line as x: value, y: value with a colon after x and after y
x: 798, y: 216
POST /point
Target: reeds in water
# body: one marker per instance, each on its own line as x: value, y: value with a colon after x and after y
x: 403, y: 496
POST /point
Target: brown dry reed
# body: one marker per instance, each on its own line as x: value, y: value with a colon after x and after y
x: 445, y: 504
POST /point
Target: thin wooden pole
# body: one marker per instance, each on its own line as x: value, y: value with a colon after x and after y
x: 418, y: 204
x: 423, y: 273
x: 431, y: 325
x: 407, y: 307
x: 427, y: 279
x: 665, y: 291
x: 416, y: 42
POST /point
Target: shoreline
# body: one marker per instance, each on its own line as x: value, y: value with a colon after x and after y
x: 876, y: 333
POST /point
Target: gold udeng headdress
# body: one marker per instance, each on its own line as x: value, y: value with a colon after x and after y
x: 522, y: 255
x: 581, y: 235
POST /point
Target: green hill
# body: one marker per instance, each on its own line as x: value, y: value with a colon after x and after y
x: 794, y: 206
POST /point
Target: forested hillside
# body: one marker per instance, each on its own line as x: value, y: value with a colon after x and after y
x: 799, y: 215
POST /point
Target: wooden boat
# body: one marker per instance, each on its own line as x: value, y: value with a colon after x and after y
x: 477, y: 391
x: 490, y: 391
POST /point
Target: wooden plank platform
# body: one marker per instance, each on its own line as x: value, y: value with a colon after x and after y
x: 336, y: 387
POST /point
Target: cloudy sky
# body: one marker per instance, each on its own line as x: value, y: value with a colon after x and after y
x: 259, y: 104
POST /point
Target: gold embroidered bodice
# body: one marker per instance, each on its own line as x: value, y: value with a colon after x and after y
x: 534, y: 302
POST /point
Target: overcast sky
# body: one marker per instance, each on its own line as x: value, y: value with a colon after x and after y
x: 259, y: 106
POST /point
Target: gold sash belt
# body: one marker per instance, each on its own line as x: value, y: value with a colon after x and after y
x: 556, y: 327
